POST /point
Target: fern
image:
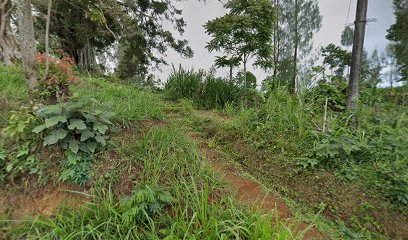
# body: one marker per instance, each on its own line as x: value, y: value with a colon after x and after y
x: 148, y: 200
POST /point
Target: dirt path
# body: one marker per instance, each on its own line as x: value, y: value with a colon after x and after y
x: 249, y: 192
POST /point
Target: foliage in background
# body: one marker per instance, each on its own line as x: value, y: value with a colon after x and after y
x: 244, y: 33
x: 132, y: 32
x: 398, y: 34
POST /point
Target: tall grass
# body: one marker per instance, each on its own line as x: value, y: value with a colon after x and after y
x: 13, y: 85
x: 128, y: 102
x: 184, y: 83
x: 284, y: 122
x: 205, y: 90
x: 200, y: 209
x: 217, y: 93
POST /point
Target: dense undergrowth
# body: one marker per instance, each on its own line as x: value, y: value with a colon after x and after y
x: 355, y: 170
x: 172, y: 192
x: 356, y: 166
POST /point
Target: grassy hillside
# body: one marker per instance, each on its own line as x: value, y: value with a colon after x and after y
x: 149, y: 181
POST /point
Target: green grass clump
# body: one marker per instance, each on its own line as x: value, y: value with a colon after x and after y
x: 205, y: 90
x: 128, y: 102
x: 184, y: 83
x: 13, y: 90
x: 177, y: 197
x: 13, y: 86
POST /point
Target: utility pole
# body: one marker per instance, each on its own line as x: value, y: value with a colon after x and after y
x: 357, y: 55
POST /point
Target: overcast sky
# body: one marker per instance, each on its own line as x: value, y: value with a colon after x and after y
x: 335, y: 16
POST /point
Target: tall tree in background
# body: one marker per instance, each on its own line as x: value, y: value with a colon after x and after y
x: 9, y: 51
x: 390, y: 65
x: 133, y: 28
x: 347, y: 37
x: 398, y: 33
x: 244, y: 33
x: 28, y: 43
x: 357, y: 55
x: 375, y: 66
x: 298, y: 21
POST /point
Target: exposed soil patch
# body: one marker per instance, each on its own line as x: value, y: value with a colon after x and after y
x: 249, y: 192
x: 41, y: 201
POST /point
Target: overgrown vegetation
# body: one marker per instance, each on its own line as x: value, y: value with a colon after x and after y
x: 210, y: 92
x: 326, y: 133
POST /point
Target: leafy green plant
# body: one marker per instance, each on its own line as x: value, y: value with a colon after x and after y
x: 77, y: 128
x: 18, y: 156
x: 19, y: 125
x: 23, y: 162
x: 77, y: 168
x: 74, y: 126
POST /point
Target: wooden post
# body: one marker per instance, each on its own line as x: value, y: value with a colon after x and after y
x: 325, y: 116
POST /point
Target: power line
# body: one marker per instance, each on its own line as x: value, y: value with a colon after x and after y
x: 348, y: 13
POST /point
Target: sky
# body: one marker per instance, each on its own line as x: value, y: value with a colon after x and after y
x: 335, y: 14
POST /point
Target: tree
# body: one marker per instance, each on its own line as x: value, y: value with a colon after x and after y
x: 28, y: 43
x: 87, y: 28
x: 223, y: 61
x: 347, y: 36
x: 336, y: 58
x: 244, y: 33
x: 390, y: 65
x: 298, y: 21
x: 375, y: 66
x: 398, y: 33
x: 9, y: 51
x: 250, y: 80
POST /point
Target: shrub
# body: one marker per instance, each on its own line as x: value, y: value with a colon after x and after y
x: 379, y: 156
x: 60, y: 76
x: 21, y: 145
x: 78, y: 129
x: 19, y: 125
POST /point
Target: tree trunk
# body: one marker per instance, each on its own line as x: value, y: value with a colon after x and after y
x: 357, y: 56
x: 85, y: 58
x: 27, y: 43
x: 296, y: 46
x: 47, y: 48
x: 9, y: 52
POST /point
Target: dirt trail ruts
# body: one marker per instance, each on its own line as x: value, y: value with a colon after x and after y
x: 249, y: 192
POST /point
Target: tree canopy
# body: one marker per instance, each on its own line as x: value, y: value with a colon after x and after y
x: 398, y: 33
